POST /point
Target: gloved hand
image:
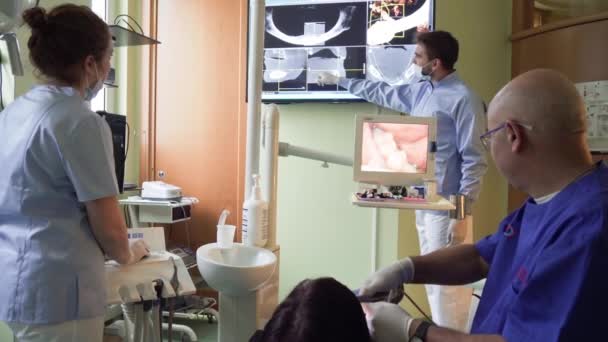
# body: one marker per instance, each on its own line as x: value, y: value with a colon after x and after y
x: 387, y: 322
x: 457, y: 230
x: 388, y: 278
x: 327, y: 78
x: 138, y: 249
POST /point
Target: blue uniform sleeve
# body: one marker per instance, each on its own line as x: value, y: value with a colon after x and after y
x: 88, y: 159
x: 398, y: 98
x: 559, y: 298
x: 470, y: 125
x: 487, y: 246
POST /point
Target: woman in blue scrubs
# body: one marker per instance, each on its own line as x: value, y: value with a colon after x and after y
x: 546, y: 265
x: 58, y: 207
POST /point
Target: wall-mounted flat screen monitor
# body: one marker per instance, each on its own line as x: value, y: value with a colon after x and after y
x: 394, y: 149
x: 372, y: 40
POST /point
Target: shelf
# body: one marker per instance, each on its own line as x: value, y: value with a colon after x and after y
x: 158, y: 211
x: 441, y: 204
x: 126, y: 37
x: 137, y: 200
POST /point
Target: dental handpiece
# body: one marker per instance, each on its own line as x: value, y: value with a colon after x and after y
x: 393, y: 296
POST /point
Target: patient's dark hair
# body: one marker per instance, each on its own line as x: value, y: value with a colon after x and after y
x: 320, y: 310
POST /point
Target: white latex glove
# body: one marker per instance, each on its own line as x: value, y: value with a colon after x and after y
x: 388, y: 278
x: 387, y: 322
x: 457, y: 230
x: 327, y: 78
x: 138, y: 249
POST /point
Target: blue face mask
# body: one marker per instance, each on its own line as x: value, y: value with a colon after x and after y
x: 91, y: 92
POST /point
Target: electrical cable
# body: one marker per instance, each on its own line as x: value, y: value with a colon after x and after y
x: 116, y: 21
x: 126, y: 22
x: 417, y: 307
x: 187, y: 224
x: 128, y: 138
x: 185, y: 218
x: 125, y: 212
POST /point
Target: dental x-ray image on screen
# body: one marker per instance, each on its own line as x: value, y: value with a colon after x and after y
x: 345, y: 61
x: 382, y: 63
x: 320, y: 24
x: 372, y: 40
x: 395, y: 21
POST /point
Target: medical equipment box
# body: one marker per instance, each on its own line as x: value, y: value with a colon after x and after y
x: 154, y: 211
x: 158, y: 190
x: 171, y: 213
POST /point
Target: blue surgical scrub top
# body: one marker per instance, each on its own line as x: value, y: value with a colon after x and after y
x: 460, y: 160
x: 56, y: 155
x: 548, y: 278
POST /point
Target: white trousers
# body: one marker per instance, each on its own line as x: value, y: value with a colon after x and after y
x: 449, y: 304
x: 89, y: 330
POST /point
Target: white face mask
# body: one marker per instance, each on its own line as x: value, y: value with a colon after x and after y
x: 415, y: 74
x: 91, y: 92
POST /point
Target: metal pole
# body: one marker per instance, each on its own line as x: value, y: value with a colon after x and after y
x: 254, y: 90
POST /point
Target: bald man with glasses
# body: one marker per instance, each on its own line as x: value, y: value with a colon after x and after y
x: 545, y: 267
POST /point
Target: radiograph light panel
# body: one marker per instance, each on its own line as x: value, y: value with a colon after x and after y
x: 388, y: 63
x: 285, y: 70
x: 372, y: 40
x: 328, y: 24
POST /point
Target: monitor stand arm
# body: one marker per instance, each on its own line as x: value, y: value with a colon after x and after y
x: 431, y: 190
x: 286, y: 150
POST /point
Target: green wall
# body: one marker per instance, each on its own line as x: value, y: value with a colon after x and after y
x: 320, y: 232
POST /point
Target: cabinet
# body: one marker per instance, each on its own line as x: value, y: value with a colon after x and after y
x: 198, y: 113
x: 575, y: 47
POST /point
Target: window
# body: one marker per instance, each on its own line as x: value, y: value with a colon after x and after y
x: 100, y: 8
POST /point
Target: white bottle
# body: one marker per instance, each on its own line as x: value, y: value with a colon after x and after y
x: 255, y: 217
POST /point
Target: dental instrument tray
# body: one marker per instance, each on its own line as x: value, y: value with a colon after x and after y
x: 401, y: 202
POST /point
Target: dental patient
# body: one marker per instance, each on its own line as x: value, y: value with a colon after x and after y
x: 320, y: 310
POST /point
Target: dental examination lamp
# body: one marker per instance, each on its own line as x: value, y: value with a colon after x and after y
x: 10, y: 19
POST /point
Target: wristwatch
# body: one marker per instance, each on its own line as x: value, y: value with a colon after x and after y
x: 420, y: 333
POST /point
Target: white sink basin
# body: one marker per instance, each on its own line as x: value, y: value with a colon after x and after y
x: 235, y: 271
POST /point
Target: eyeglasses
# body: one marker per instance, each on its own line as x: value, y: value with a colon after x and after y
x: 487, y: 136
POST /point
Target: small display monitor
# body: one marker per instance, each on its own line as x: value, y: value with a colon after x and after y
x: 394, y: 149
x: 120, y: 131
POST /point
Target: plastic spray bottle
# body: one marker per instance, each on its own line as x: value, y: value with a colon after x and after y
x: 255, y: 217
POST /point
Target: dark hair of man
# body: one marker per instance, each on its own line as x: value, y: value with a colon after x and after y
x: 320, y: 310
x: 441, y: 45
x: 63, y: 38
